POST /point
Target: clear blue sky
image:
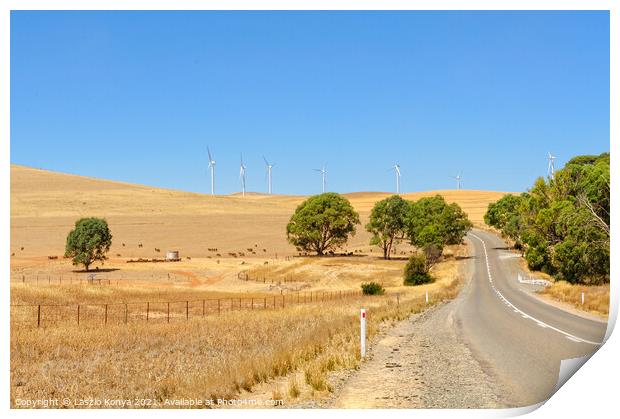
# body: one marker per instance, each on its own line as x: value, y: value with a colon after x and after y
x: 138, y: 96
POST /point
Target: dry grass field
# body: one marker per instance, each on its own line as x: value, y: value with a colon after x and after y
x: 289, y: 351
x: 284, y: 353
x: 596, y: 297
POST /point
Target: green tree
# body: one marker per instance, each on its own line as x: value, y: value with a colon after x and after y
x: 432, y: 224
x: 387, y: 223
x: 563, y: 223
x: 88, y: 241
x: 322, y: 223
x: 499, y: 213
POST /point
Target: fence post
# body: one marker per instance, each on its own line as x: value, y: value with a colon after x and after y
x: 252, y: 303
x: 39, y: 316
x: 239, y: 303
x: 283, y: 300
x: 363, y: 332
x: 147, y: 311
x: 187, y: 310
x: 274, y: 302
x: 105, y: 321
x: 126, y: 313
x: 265, y: 303
x: 219, y: 306
x: 78, y: 315
x: 203, y: 308
x: 168, y: 313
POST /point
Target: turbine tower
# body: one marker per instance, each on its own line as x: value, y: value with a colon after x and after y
x: 323, y: 172
x: 458, y: 180
x: 212, y: 167
x: 242, y: 168
x: 396, y: 168
x: 551, y: 166
x: 269, y: 168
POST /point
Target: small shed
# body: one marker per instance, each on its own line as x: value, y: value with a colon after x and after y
x: 172, y: 256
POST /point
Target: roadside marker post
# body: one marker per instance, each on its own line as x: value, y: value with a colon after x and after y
x: 426, y: 297
x: 363, y: 332
x: 583, y: 298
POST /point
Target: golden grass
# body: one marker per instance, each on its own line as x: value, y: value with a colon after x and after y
x: 596, y: 297
x: 207, y: 358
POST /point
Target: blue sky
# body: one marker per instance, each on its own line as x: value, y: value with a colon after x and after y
x: 138, y: 96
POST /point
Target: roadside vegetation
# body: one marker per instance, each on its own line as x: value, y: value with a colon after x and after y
x: 562, y: 223
x: 561, y: 226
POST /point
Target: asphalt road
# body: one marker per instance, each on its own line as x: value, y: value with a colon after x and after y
x: 519, y: 339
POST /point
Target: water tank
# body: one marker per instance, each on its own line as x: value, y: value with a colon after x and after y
x: 172, y: 255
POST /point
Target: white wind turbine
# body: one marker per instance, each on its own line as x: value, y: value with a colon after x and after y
x: 458, y: 180
x: 242, y: 168
x: 212, y: 167
x: 396, y: 169
x: 323, y: 172
x: 551, y: 166
x: 269, y: 168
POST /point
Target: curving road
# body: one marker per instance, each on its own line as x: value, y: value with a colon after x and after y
x: 495, y: 345
x: 520, y: 337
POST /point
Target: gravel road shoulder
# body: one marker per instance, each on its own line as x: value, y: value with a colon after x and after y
x: 422, y: 362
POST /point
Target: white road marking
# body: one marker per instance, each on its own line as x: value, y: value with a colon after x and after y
x: 525, y: 315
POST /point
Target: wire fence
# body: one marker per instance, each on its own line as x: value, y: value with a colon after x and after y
x: 96, y: 278
x: 40, y: 315
x: 262, y: 278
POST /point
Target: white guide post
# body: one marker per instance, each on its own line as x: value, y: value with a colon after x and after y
x: 363, y: 332
x: 583, y: 298
x: 426, y: 297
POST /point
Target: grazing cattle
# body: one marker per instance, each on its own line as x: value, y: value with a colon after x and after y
x: 139, y: 244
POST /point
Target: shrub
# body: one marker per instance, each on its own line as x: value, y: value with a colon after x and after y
x: 416, y: 272
x: 372, y: 288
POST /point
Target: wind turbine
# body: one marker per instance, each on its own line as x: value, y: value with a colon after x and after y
x: 269, y: 167
x: 458, y: 180
x: 551, y: 166
x: 212, y: 167
x: 396, y: 168
x: 242, y: 168
x: 323, y: 172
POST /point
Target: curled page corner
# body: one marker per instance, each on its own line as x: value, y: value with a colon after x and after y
x: 568, y: 367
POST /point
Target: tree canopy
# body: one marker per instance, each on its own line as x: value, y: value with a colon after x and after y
x: 387, y: 223
x: 433, y: 221
x: 322, y: 223
x: 432, y: 224
x: 562, y: 223
x: 89, y: 241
